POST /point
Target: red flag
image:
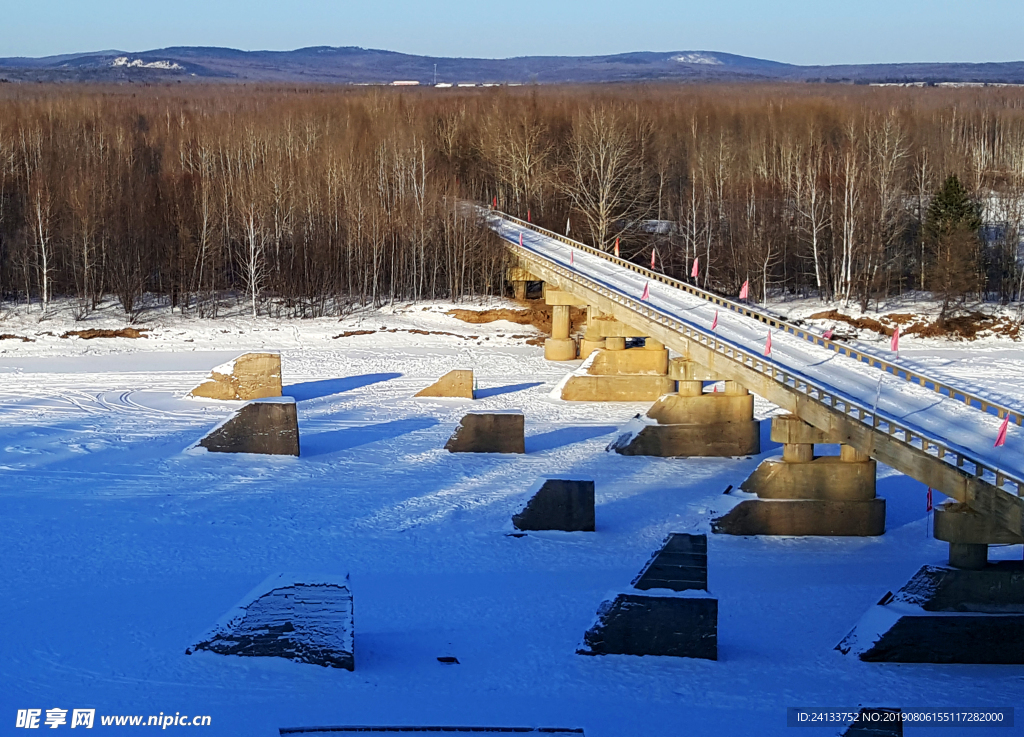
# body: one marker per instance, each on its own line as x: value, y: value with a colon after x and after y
x: 714, y: 325
x: 768, y: 344
x: 653, y: 253
x: 745, y: 289
x: 495, y: 205
x: 520, y: 240
x: 894, y: 344
x: 647, y: 292
x: 714, y: 389
x: 929, y: 500
x: 528, y: 219
x: 616, y: 248
x: 696, y: 268
x: 572, y: 260
x: 1001, y: 437
x: 828, y: 333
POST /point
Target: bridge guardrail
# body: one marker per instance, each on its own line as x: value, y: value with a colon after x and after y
x: 941, y: 450
x: 973, y: 401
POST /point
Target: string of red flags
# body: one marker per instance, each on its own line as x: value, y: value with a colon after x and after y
x: 894, y: 343
x: 1001, y: 437
x: 768, y: 344
x: 714, y: 324
x: 647, y: 292
x: 696, y: 268
x: 745, y: 290
x: 616, y: 248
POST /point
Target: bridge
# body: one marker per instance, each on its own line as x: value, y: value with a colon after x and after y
x: 874, y: 408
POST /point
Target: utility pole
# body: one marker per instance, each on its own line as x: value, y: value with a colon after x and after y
x: 435, y: 75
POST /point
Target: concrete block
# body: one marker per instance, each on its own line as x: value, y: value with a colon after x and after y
x: 958, y: 523
x: 589, y: 346
x: 815, y: 517
x: 458, y: 383
x: 631, y: 361
x: 559, y: 505
x: 706, y: 409
x: 826, y: 477
x: 701, y: 441
x: 876, y: 723
x: 791, y: 429
x: 560, y: 349
x: 946, y: 615
x: 305, y: 620
x: 682, y: 369
x: 967, y: 638
x: 264, y: 426
x: 615, y: 388
x: 680, y: 565
x: 636, y: 624
x: 996, y: 589
x: 250, y: 376
x: 480, y: 432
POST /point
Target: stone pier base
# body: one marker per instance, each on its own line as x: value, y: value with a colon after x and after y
x: 250, y: 376
x: 813, y: 517
x: 267, y: 427
x: 946, y: 615
x: 481, y: 432
x: 723, y: 439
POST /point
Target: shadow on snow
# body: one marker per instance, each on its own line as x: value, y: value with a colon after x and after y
x: 326, y: 387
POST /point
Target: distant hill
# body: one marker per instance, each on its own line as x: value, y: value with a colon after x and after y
x: 353, y: 65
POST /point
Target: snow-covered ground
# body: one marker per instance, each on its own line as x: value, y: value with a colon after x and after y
x: 120, y: 549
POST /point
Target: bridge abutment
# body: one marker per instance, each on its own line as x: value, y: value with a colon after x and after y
x: 800, y: 494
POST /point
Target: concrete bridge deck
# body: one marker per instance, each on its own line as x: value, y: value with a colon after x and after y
x: 928, y: 430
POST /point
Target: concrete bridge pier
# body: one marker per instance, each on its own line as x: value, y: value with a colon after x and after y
x: 804, y: 494
x: 692, y: 423
x: 590, y: 344
x: 969, y: 534
x: 560, y: 346
x: 614, y: 373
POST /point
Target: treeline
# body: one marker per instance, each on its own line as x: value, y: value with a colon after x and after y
x: 307, y: 202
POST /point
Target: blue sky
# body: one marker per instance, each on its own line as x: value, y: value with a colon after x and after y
x: 795, y: 31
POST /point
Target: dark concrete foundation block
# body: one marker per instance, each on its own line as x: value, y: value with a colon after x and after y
x: 265, y: 427
x: 680, y: 565
x: 996, y: 589
x: 303, y: 622
x: 725, y: 439
x: 803, y: 517
x: 559, y: 505
x: 489, y: 433
x: 877, y: 723
x: 981, y: 620
x: 967, y: 638
x: 635, y: 624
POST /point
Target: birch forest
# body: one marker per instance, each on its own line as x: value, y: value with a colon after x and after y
x: 309, y: 202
